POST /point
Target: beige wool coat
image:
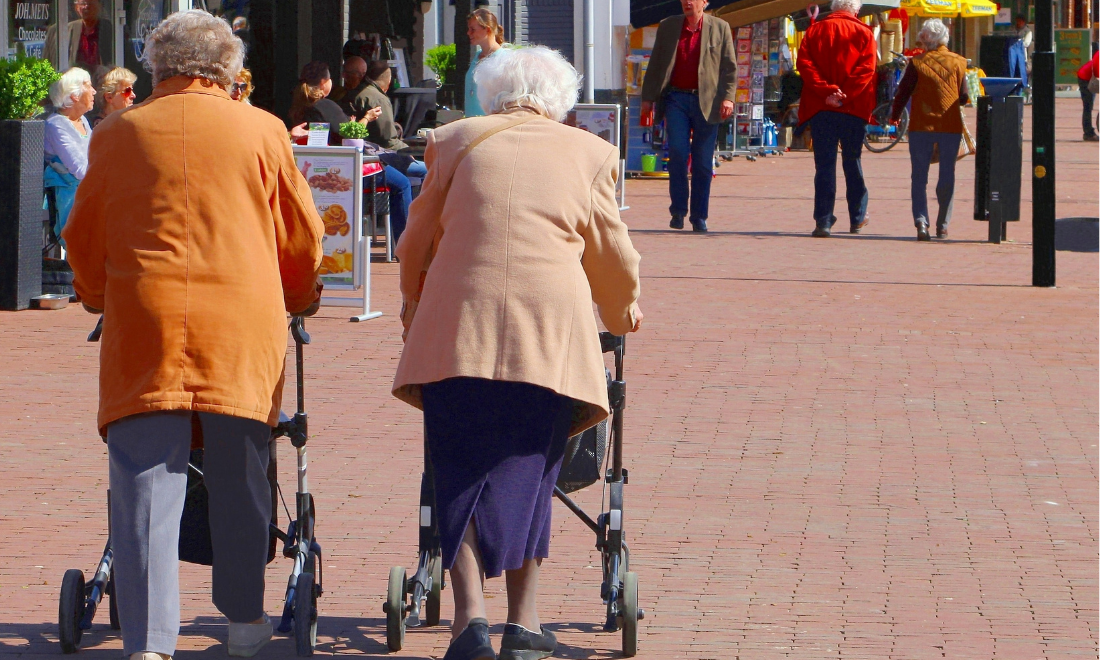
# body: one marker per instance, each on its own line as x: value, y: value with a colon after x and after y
x: 499, y: 273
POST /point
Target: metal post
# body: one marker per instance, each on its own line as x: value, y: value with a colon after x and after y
x: 1042, y: 148
x: 589, y: 50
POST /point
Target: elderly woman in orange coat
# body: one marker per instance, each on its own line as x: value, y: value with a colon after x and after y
x: 515, y: 234
x: 195, y: 233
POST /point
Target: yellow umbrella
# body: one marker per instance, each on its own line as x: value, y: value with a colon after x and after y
x: 974, y: 8
x: 932, y: 8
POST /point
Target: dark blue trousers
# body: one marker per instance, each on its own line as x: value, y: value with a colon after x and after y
x: 829, y: 130
x: 689, y: 134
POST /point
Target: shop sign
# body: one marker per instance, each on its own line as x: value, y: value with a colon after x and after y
x: 1072, y: 49
x: 27, y: 26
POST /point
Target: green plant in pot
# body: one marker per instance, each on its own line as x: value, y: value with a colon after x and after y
x: 24, y: 83
x: 441, y: 60
x: 353, y: 133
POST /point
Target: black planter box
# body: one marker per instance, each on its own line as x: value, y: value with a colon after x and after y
x: 21, y: 212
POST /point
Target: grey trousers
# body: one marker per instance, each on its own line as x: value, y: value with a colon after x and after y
x: 920, y: 155
x: 148, y: 473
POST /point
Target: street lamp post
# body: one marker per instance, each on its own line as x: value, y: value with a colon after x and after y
x: 1042, y: 148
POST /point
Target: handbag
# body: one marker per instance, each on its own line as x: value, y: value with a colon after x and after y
x: 966, y: 145
x: 1094, y: 84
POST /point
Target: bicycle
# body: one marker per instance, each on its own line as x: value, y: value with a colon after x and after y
x: 881, y: 135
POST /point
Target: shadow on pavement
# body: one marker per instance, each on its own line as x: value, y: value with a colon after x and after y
x: 812, y: 281
x: 361, y: 637
x: 843, y: 234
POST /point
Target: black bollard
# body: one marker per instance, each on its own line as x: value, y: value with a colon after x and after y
x: 1042, y: 148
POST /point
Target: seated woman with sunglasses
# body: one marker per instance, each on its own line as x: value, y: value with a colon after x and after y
x: 117, y: 89
x: 242, y: 87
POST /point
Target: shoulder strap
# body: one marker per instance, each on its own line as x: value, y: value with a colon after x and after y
x: 481, y: 138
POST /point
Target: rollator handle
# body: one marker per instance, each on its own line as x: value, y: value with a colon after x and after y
x: 609, y: 342
x: 298, y: 330
x: 96, y: 332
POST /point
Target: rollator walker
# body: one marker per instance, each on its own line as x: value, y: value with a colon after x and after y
x: 415, y: 602
x: 80, y: 599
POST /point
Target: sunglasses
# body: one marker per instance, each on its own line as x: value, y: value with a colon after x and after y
x: 239, y: 87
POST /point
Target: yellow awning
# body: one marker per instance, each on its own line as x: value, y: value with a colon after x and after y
x: 932, y: 8
x: 975, y: 8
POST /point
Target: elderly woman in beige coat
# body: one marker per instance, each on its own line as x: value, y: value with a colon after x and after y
x: 515, y: 234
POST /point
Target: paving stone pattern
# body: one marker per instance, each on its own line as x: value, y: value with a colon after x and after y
x: 860, y: 447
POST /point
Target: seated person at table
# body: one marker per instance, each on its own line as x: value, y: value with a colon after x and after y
x: 311, y: 105
x: 370, y: 94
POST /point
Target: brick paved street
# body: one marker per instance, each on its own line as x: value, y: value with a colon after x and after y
x: 861, y: 447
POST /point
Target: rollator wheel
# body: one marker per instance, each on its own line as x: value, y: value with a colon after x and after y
x: 70, y: 610
x: 629, y: 611
x: 112, y: 608
x: 305, y: 616
x: 395, y: 608
x: 435, y: 596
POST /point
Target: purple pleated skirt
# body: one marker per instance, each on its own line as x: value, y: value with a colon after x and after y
x: 496, y: 448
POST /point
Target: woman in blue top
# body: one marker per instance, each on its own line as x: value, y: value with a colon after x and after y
x: 485, y: 32
x: 67, y: 137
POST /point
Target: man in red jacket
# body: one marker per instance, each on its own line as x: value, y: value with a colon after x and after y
x: 837, y: 62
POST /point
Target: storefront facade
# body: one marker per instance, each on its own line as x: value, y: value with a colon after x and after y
x: 98, y: 35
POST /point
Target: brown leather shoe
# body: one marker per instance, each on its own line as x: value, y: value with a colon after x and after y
x: 857, y: 228
x: 941, y: 231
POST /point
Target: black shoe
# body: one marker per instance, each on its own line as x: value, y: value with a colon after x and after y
x: 677, y: 222
x: 821, y: 231
x: 699, y: 226
x: 520, y: 643
x: 473, y: 643
x: 922, y: 233
x: 1091, y: 138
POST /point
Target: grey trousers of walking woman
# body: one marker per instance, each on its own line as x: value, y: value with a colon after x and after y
x: 920, y: 155
x: 148, y: 470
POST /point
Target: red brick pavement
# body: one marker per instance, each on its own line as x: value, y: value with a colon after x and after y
x: 861, y: 447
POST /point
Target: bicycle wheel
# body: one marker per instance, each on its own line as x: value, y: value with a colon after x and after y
x: 881, y: 135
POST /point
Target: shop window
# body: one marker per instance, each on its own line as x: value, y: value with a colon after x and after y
x: 29, y: 24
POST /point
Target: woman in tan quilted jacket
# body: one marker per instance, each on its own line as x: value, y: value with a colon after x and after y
x: 936, y: 82
x: 515, y: 235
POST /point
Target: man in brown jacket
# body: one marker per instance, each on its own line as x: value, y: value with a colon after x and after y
x: 692, y: 77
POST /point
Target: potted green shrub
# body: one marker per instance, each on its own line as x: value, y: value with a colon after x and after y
x: 442, y: 61
x: 24, y: 83
x: 353, y: 133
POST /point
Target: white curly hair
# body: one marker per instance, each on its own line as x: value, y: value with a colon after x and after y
x: 196, y: 44
x: 70, y: 84
x: 933, y: 34
x: 536, y: 77
x: 851, y: 6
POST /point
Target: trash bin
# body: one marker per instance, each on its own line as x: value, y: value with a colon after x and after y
x: 999, y: 155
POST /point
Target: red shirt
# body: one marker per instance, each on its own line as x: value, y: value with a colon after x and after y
x: 88, y: 53
x: 1091, y: 68
x: 685, y: 72
x: 838, y: 53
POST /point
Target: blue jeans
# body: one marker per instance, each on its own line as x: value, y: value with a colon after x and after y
x: 830, y: 129
x: 1016, y: 59
x: 1087, y: 99
x: 920, y: 154
x: 689, y: 134
x: 400, y: 198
